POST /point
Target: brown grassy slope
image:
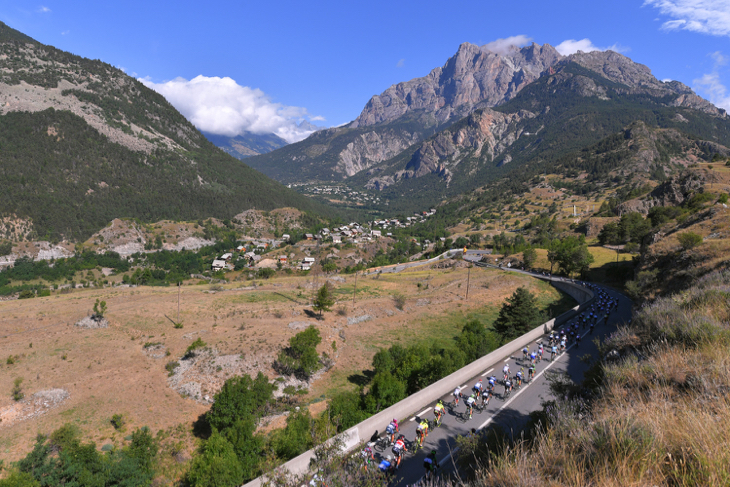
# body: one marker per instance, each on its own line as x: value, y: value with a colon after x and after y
x: 109, y: 371
x: 662, y: 414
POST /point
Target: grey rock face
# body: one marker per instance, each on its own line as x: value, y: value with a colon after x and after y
x: 474, y: 77
x: 620, y: 69
x: 371, y: 148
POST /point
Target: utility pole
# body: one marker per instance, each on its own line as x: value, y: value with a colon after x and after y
x: 354, y: 291
x: 468, y: 279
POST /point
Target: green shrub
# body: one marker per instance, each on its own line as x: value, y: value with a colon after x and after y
x: 117, y: 421
x: 689, y: 240
x: 171, y: 366
x: 217, y: 464
x: 17, y: 391
x: 26, y: 294
x: 198, y: 343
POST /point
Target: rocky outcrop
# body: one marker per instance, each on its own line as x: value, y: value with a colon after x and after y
x: 473, y: 77
x: 481, y: 138
x: 373, y: 147
x: 670, y: 193
x: 620, y: 69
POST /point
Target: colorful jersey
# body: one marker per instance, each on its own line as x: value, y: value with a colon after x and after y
x: 384, y: 466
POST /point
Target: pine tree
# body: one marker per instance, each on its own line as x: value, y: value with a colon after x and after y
x: 324, y: 300
x: 517, y: 316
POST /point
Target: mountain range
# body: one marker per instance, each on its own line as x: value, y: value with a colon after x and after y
x: 82, y: 143
x: 484, y: 115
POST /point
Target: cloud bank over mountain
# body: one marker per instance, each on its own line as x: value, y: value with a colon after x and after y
x: 223, y: 107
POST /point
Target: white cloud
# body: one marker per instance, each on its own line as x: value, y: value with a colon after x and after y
x: 401, y: 63
x: 571, y: 46
x: 43, y: 10
x: 65, y: 32
x: 703, y: 16
x: 317, y: 118
x: 504, y: 46
x: 710, y: 84
x: 222, y: 106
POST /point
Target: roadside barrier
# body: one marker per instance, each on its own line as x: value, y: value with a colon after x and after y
x: 363, y: 431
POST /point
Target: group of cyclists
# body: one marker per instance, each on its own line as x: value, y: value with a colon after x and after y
x: 557, y: 341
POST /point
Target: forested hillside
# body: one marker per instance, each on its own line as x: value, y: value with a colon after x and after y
x: 82, y: 143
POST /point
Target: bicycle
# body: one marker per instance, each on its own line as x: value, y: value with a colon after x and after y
x: 419, y: 440
x: 437, y: 419
x: 381, y: 443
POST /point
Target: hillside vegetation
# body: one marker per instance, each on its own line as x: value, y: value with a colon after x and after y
x: 82, y: 143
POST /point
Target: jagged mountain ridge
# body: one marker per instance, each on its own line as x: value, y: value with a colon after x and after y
x: 559, y: 114
x: 408, y: 113
x: 82, y: 143
x: 474, y: 77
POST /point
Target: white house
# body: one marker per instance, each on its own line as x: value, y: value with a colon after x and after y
x: 336, y: 239
x: 285, y: 236
x: 376, y: 233
x: 308, y: 260
x: 218, y: 264
x: 227, y: 256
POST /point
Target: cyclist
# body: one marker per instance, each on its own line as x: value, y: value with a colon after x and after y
x: 392, y: 429
x: 438, y: 411
x: 525, y: 351
x: 421, y: 432
x: 492, y: 381
x: 518, y: 378
x: 387, y: 465
x: 577, y: 341
x: 398, y: 449
x: 470, y: 404
x: 430, y: 464
x: 505, y: 371
x: 553, y: 352
x: 592, y: 326
x: 478, y: 388
x: 540, y: 351
x: 367, y: 456
x: 507, y: 387
x: 457, y: 395
x: 533, y: 357
x: 531, y: 372
x: 486, y: 396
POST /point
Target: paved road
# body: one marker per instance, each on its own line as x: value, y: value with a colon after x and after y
x: 472, y: 255
x: 511, y: 414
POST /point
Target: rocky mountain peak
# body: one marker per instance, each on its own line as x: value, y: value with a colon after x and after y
x: 620, y: 69
x: 473, y: 77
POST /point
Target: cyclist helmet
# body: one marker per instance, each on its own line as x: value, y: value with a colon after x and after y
x: 401, y: 437
x: 389, y: 457
x: 433, y: 453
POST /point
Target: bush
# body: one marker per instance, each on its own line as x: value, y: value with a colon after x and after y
x: 117, y: 421
x: 26, y: 294
x: 99, y: 308
x: 198, y: 343
x: 689, y: 240
x: 266, y: 273
x: 399, y: 301
x: 171, y: 366
x: 17, y: 391
x: 240, y: 398
x: 300, y: 358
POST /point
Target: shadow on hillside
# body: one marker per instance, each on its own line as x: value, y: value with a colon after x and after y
x: 361, y: 379
x: 289, y: 298
x: 201, y: 427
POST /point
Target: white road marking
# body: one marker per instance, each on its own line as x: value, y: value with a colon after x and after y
x: 488, y: 371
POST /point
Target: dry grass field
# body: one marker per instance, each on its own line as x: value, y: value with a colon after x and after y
x: 121, y: 369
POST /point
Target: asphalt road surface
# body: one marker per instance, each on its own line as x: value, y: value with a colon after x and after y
x: 511, y: 414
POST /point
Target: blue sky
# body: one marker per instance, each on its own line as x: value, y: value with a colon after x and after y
x: 321, y: 61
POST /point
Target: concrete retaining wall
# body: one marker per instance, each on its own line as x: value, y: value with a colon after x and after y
x: 411, y: 405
